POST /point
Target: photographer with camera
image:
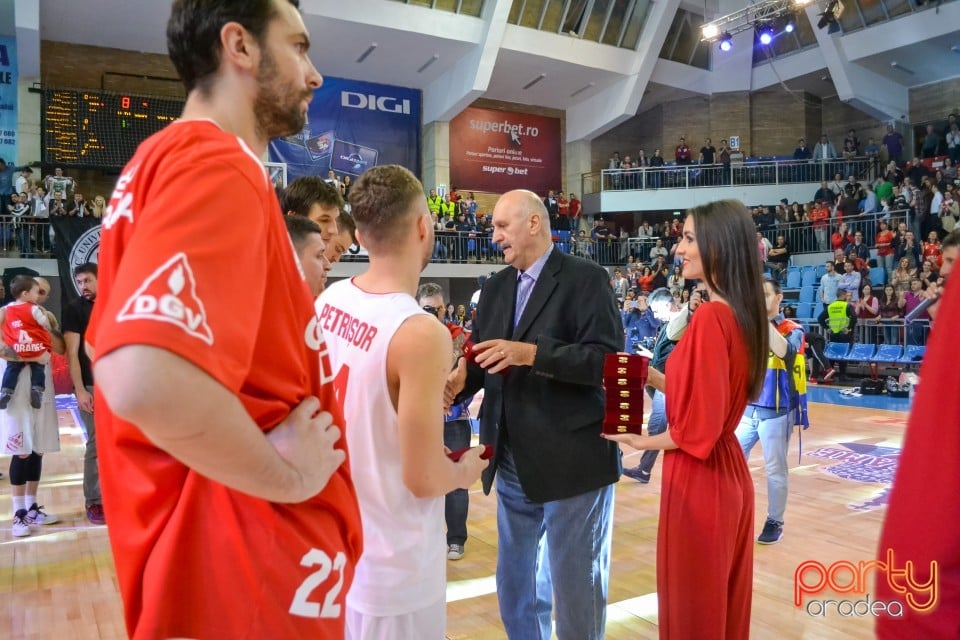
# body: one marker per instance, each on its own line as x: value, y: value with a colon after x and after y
x: 674, y: 324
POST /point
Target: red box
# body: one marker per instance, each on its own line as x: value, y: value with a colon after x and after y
x: 624, y: 379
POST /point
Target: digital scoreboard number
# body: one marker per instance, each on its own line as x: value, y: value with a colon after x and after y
x: 100, y: 129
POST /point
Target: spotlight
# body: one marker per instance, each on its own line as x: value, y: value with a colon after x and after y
x: 789, y: 26
x: 710, y: 31
x: 766, y: 34
x: 726, y: 42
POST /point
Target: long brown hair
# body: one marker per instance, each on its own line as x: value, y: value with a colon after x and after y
x: 727, y: 240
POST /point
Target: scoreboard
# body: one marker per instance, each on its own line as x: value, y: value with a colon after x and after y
x: 100, y: 129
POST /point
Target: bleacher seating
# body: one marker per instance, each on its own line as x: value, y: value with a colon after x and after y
x: 821, y: 271
x: 878, y: 277
x: 804, y: 309
x: 809, y: 278
x: 817, y: 310
x: 836, y: 350
x: 888, y: 353
x: 807, y: 294
x: 860, y: 352
x: 793, y: 278
x: 913, y: 354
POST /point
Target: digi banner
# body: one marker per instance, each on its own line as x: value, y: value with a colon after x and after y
x: 497, y: 151
x: 8, y: 99
x: 352, y: 126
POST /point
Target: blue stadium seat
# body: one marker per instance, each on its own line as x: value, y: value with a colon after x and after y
x: 821, y: 271
x: 860, y: 352
x: 836, y: 350
x: 564, y: 247
x: 563, y: 236
x: 804, y: 309
x: 888, y: 353
x: 793, y: 279
x: 817, y: 310
x: 807, y: 294
x: 878, y: 277
x: 809, y: 278
x: 913, y: 354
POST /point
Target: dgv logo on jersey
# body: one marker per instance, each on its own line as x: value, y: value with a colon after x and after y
x: 169, y: 295
x: 388, y: 104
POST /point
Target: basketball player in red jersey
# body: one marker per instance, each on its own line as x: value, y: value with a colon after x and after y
x: 232, y: 511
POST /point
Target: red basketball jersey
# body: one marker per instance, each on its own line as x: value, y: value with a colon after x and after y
x: 195, y: 259
x: 23, y: 332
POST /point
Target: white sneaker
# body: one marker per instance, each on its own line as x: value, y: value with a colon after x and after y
x: 36, y: 516
x: 20, y: 527
x: 454, y: 551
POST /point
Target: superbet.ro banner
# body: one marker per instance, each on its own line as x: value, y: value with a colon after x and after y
x: 497, y: 151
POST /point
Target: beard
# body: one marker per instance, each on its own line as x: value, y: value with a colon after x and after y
x: 277, y: 106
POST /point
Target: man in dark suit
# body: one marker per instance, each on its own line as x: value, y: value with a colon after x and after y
x: 542, y: 328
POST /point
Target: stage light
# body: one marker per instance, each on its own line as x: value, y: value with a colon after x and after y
x: 726, y: 42
x: 789, y: 26
x: 766, y: 34
x: 710, y: 31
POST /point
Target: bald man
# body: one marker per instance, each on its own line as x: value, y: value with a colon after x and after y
x: 543, y: 326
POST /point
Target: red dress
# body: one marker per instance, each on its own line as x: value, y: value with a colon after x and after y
x: 705, y: 538
x: 923, y: 510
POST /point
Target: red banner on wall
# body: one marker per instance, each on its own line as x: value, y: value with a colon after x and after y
x: 497, y: 151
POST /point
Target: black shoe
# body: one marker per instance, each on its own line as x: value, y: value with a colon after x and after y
x: 772, y: 532
x: 638, y: 474
x: 36, y: 397
x: 5, y: 396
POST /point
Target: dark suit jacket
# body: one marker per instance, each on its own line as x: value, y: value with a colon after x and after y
x: 552, y: 412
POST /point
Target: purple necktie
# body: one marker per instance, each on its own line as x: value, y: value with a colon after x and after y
x: 524, y: 286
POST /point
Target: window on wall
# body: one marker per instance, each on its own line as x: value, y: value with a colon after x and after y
x: 616, y: 23
x: 683, y: 44
x: 465, y: 7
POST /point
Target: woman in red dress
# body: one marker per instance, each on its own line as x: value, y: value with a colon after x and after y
x: 705, y: 536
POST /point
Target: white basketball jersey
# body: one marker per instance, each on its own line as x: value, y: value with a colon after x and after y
x: 403, y: 566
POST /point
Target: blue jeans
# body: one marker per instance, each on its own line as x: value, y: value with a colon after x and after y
x: 657, y: 423
x: 553, y: 550
x: 456, y: 435
x: 774, y: 435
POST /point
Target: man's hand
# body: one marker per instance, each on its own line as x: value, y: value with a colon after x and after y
x: 657, y: 380
x: 497, y: 355
x: 307, y: 440
x: 456, y: 381
x: 84, y: 399
x: 472, y: 465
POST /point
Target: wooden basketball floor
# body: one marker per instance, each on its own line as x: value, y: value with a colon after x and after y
x: 60, y: 582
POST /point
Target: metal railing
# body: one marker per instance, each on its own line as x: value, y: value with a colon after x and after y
x: 805, y: 237
x: 747, y: 173
x: 879, y: 332
x: 30, y: 237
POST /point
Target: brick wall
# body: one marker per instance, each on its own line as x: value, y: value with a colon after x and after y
x: 839, y: 117
x: 730, y: 116
x: 73, y: 65
x: 777, y: 120
x: 935, y: 101
x: 644, y: 131
x: 688, y: 119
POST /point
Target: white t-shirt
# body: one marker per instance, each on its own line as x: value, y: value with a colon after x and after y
x: 403, y: 567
